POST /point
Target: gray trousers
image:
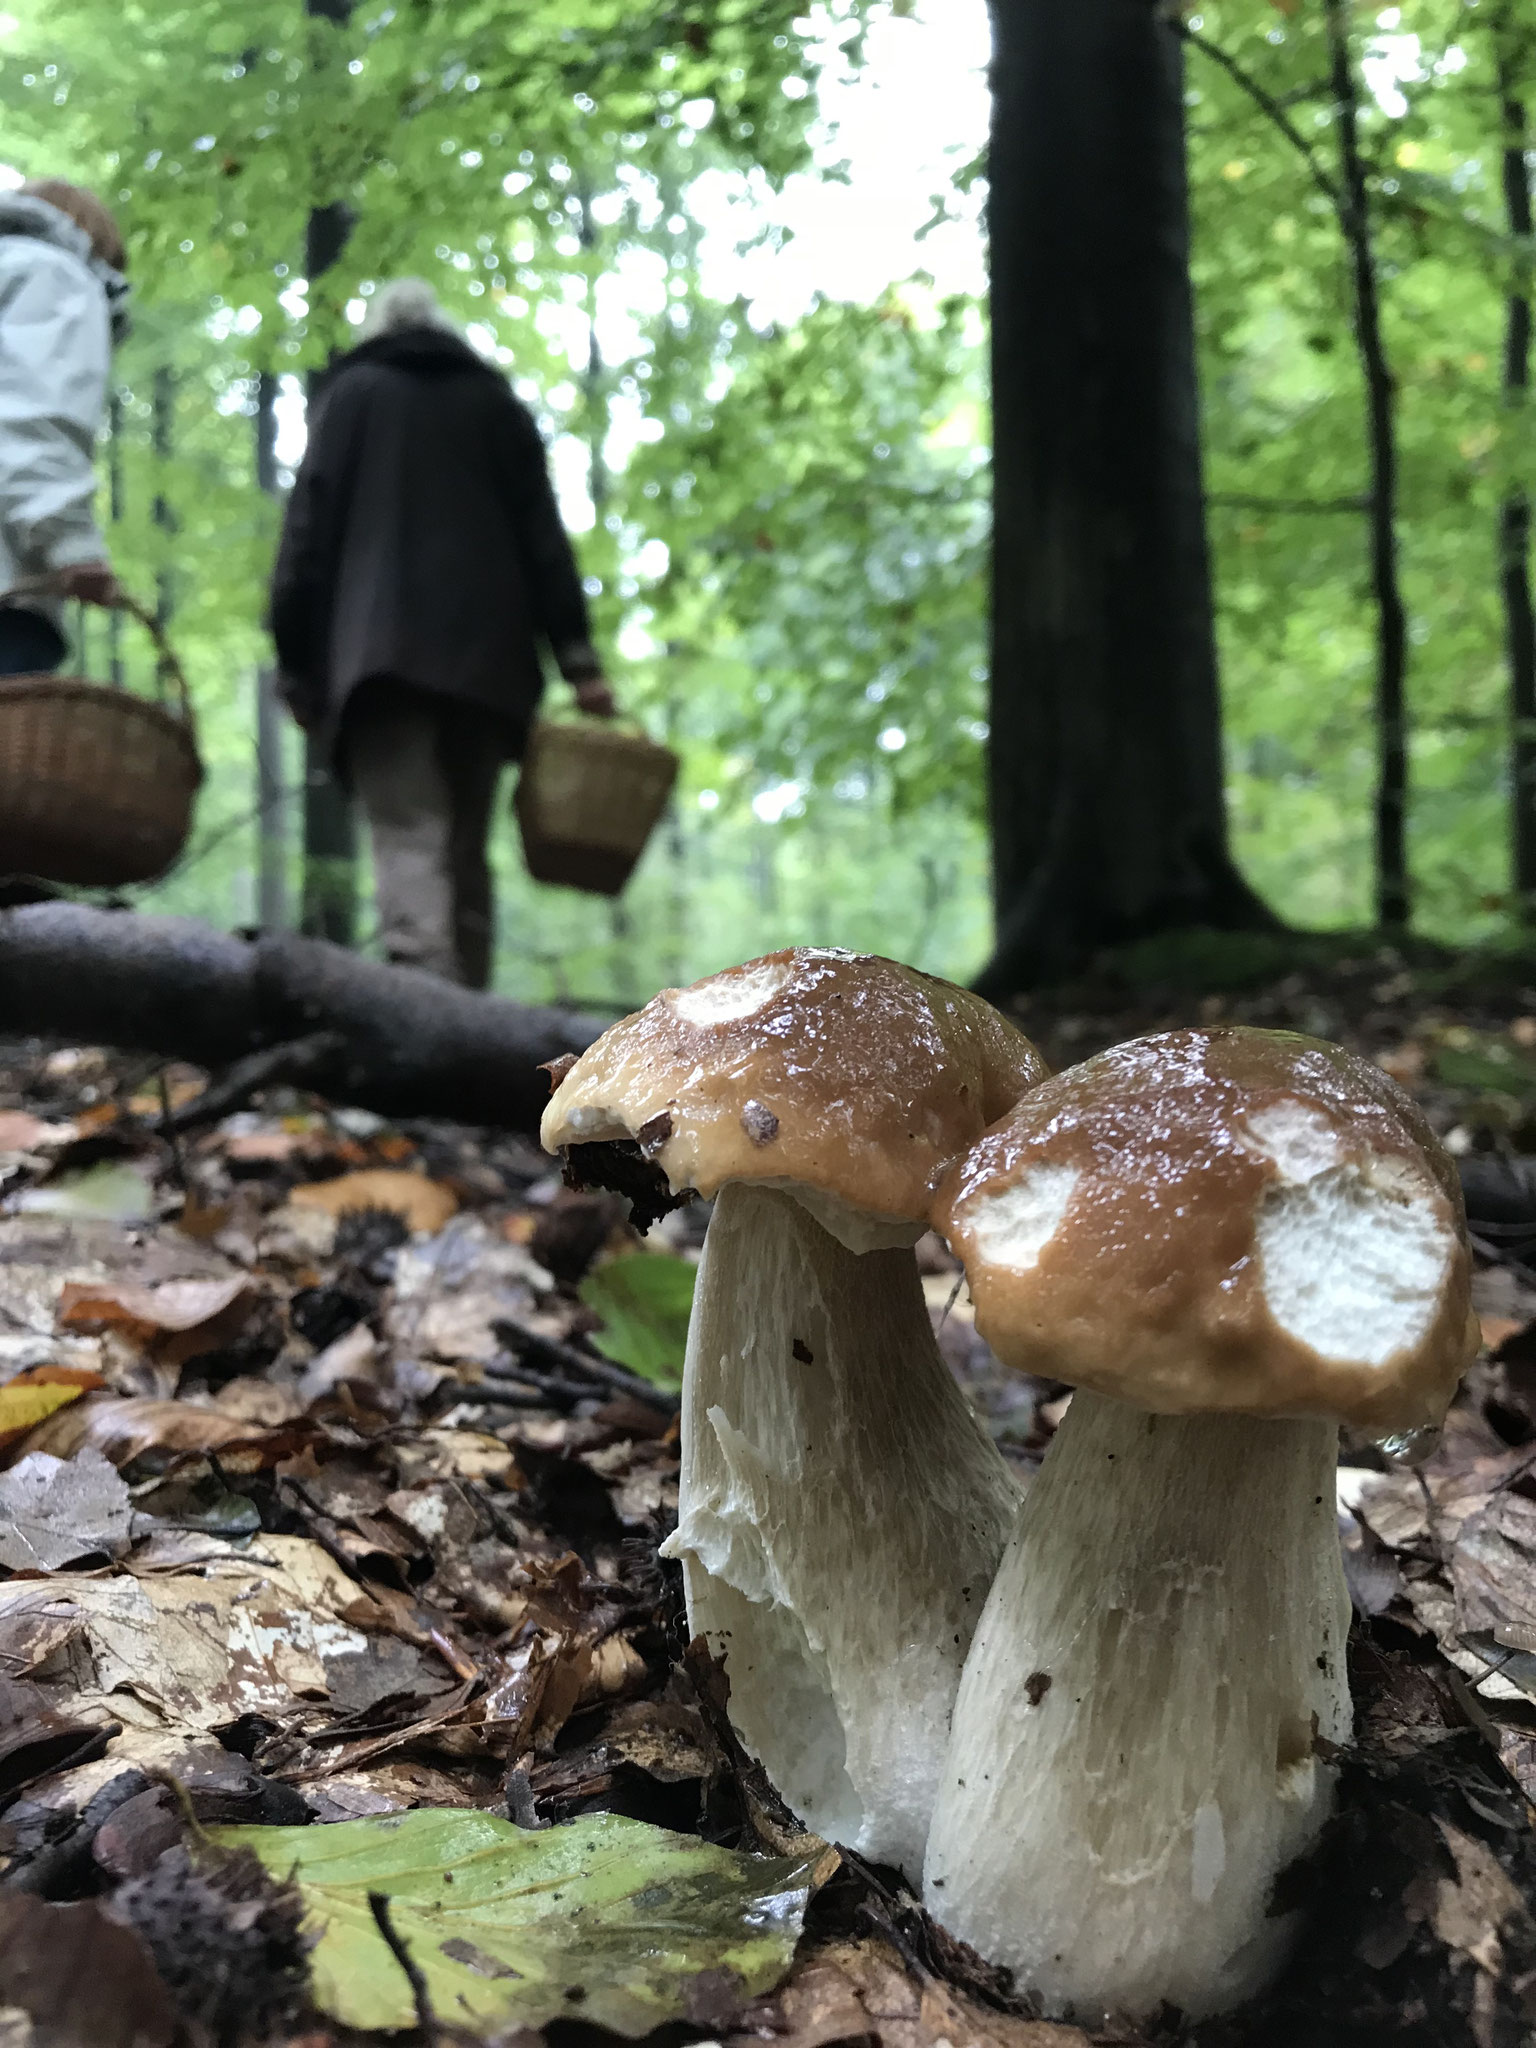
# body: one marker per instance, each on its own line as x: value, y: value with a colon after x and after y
x: 424, y: 770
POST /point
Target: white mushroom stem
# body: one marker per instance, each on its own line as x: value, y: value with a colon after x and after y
x: 1134, y: 1760
x: 841, y: 1515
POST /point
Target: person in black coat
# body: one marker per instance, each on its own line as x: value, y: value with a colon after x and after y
x: 422, y: 562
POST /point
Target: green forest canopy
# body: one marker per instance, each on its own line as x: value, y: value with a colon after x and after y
x: 790, y: 547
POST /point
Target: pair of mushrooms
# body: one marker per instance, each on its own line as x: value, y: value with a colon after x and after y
x: 1097, y: 1723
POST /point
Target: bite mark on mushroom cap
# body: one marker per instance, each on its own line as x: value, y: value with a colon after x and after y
x: 842, y: 1073
x: 1257, y: 1223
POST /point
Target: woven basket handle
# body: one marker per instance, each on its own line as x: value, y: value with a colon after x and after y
x: 170, y: 664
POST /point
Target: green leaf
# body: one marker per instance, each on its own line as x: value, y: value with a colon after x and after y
x: 604, y: 1918
x: 1493, y: 1067
x: 112, y: 1191
x: 645, y: 1301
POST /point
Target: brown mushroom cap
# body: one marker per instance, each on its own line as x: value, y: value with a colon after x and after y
x: 840, y: 1072
x: 1226, y: 1221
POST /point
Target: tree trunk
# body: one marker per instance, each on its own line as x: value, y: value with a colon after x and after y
x: 271, y: 798
x: 330, y: 829
x: 162, y: 440
x: 1392, y: 890
x: 115, y: 669
x: 1510, y: 49
x: 405, y: 1043
x: 1108, y: 815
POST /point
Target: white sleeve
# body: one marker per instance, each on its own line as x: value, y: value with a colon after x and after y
x: 55, y: 353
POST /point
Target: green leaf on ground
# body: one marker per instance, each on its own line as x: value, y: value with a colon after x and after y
x: 1495, y: 1067
x: 605, y: 1919
x: 110, y: 1191
x: 645, y: 1301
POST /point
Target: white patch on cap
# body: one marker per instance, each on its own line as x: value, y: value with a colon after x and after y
x: 1300, y: 1141
x: 1011, y: 1229
x: 1352, y: 1264
x: 726, y: 997
x: 587, y: 1121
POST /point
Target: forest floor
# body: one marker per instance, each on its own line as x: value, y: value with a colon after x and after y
x: 318, y: 1504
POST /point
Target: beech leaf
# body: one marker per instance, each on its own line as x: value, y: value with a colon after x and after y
x: 645, y: 1300
x: 603, y: 1918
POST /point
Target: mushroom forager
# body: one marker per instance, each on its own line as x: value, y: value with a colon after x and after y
x: 841, y: 1509
x: 1229, y: 1242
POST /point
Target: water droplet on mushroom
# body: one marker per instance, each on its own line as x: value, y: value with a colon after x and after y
x: 1409, y: 1446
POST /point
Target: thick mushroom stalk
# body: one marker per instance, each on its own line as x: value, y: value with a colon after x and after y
x: 843, y: 1513
x: 1229, y: 1242
x: 1140, y: 1734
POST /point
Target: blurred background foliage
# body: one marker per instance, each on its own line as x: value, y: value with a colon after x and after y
x: 782, y: 515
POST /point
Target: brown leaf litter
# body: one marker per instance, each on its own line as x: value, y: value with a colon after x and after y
x: 365, y: 1524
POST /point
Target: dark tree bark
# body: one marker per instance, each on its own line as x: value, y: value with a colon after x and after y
x: 1393, y: 900
x: 115, y: 669
x: 406, y: 1044
x: 329, y: 909
x: 1512, y: 48
x: 271, y: 799
x: 162, y: 440
x: 1108, y: 815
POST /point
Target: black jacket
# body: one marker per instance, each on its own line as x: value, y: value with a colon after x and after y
x: 422, y: 540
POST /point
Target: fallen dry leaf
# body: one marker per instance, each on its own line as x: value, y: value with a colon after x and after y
x: 1493, y: 1575
x: 55, y: 1510
x: 1469, y: 1913
x: 38, y: 1623
x: 77, y: 1976
x: 37, y: 1393
x: 20, y: 1131
x: 36, y: 1739
x: 265, y: 1148
x: 123, y: 1428
x: 425, y: 1205
x: 253, y: 1634
x: 172, y: 1309
x: 1496, y: 1330
x: 852, y: 1991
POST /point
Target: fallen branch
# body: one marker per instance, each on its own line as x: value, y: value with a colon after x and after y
x: 278, y: 1063
x: 539, y: 1356
x: 390, y: 1039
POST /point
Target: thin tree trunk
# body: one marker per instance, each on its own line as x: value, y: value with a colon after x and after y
x: 162, y: 440
x: 1108, y: 809
x: 271, y: 800
x: 330, y: 829
x: 1392, y: 887
x: 115, y: 670
x: 1510, y: 50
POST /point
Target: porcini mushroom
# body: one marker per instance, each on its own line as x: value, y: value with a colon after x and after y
x: 841, y: 1510
x: 1229, y: 1242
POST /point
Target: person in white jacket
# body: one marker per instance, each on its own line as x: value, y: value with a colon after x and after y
x: 62, y: 305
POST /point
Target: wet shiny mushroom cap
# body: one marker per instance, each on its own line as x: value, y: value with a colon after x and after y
x: 841, y: 1073
x: 1226, y: 1221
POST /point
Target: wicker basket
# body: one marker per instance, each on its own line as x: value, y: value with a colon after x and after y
x: 96, y: 786
x: 587, y: 801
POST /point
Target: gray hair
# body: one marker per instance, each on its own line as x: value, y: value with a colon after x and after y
x: 408, y: 302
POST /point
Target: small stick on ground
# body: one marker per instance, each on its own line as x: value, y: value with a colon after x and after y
x: 426, y: 2019
x: 297, y: 1060
x: 538, y: 1355
x: 168, y: 1130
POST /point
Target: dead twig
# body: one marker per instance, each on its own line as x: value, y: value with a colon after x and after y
x: 538, y: 1356
x: 168, y: 1129
x: 296, y: 1060
x: 426, y: 2018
